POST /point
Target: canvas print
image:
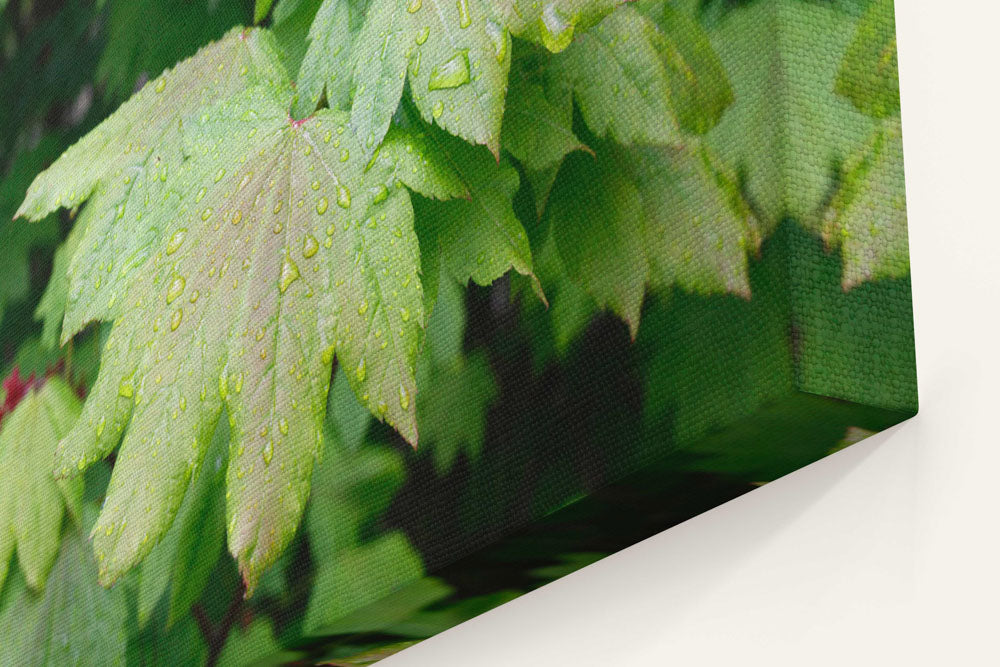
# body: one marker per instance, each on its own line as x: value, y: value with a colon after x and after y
x: 327, y: 325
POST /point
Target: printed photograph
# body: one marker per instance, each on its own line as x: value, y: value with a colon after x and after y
x: 328, y: 325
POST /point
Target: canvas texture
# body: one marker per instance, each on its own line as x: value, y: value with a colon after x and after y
x: 327, y: 325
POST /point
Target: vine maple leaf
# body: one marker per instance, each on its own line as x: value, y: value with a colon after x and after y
x: 270, y: 247
x: 552, y: 24
x: 455, y: 57
x: 659, y: 216
x: 33, y: 504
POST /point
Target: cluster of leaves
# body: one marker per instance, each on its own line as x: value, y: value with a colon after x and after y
x: 307, y: 201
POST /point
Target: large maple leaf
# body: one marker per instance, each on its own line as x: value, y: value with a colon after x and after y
x: 237, y: 252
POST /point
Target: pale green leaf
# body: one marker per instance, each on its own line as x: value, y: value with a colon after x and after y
x: 381, y: 51
x: 52, y: 306
x: 620, y: 80
x: 329, y: 60
x: 33, y: 503
x: 456, y: 59
x: 182, y: 562
x: 699, y: 86
x: 788, y: 129
x: 458, y: 72
x: 130, y: 161
x: 698, y: 229
x: 867, y: 217
x: 74, y: 622
x: 479, y: 237
x: 260, y: 256
x: 869, y: 75
x: 552, y: 24
x: 412, y: 154
x: 660, y: 216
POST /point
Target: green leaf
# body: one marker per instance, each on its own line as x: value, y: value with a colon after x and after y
x: 551, y: 24
x: 479, y: 237
x: 73, y: 622
x: 412, y: 153
x: 538, y: 123
x: 620, y: 80
x: 354, y: 484
x: 456, y: 59
x: 699, y: 86
x: 182, y: 562
x: 867, y: 217
x: 391, y: 609
x: 247, y: 645
x: 597, y: 222
x: 129, y: 159
x: 329, y: 59
x: 258, y: 258
x: 457, y: 388
x: 572, y: 307
x: 869, y: 74
x: 698, y: 229
x: 290, y: 27
x: 658, y: 215
x: 52, y: 306
x: 788, y: 129
x: 261, y: 8
x: 33, y: 503
x: 359, y: 576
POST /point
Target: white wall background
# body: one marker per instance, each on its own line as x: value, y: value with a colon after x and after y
x: 887, y: 553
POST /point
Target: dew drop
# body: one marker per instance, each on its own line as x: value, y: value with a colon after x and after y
x: 309, y: 246
x: 343, y: 197
x: 359, y: 373
x: 404, y: 397
x: 175, y: 320
x: 321, y: 205
x: 452, y: 73
x: 125, y: 389
x: 161, y: 84
x: 414, y: 6
x: 206, y: 214
x: 422, y: 35
x: 175, y: 289
x: 176, y: 240
x: 289, y: 274
x: 268, y: 452
x: 438, y: 109
x: 283, y: 426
